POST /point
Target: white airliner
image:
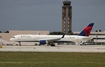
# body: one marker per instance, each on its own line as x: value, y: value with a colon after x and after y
x: 49, y: 39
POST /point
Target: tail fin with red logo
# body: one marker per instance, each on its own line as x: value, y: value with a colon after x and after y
x: 87, y: 30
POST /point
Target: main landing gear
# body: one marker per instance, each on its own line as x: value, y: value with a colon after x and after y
x: 19, y: 43
x: 52, y: 44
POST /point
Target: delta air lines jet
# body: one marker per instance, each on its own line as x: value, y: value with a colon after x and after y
x: 49, y: 39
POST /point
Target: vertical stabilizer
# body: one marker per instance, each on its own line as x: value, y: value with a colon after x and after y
x: 86, y: 31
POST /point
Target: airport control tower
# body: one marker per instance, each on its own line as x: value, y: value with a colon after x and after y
x: 66, y: 17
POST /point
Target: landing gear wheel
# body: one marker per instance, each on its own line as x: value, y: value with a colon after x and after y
x: 52, y: 44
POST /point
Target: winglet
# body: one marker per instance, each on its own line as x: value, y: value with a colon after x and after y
x: 87, y: 30
x: 63, y: 36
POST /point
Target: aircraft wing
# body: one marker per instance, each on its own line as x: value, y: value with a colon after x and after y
x: 53, y: 39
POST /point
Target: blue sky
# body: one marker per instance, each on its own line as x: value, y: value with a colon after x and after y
x: 47, y: 14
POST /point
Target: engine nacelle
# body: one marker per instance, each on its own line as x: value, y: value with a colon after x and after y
x: 43, y: 42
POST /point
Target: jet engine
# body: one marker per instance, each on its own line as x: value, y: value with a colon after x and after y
x: 43, y: 42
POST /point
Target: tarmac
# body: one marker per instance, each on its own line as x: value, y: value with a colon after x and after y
x: 57, y: 48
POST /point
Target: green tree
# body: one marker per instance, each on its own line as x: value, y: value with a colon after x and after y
x: 99, y: 30
x: 6, y: 31
x: 70, y: 32
x: 96, y: 30
x: 55, y: 33
x: 0, y: 31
